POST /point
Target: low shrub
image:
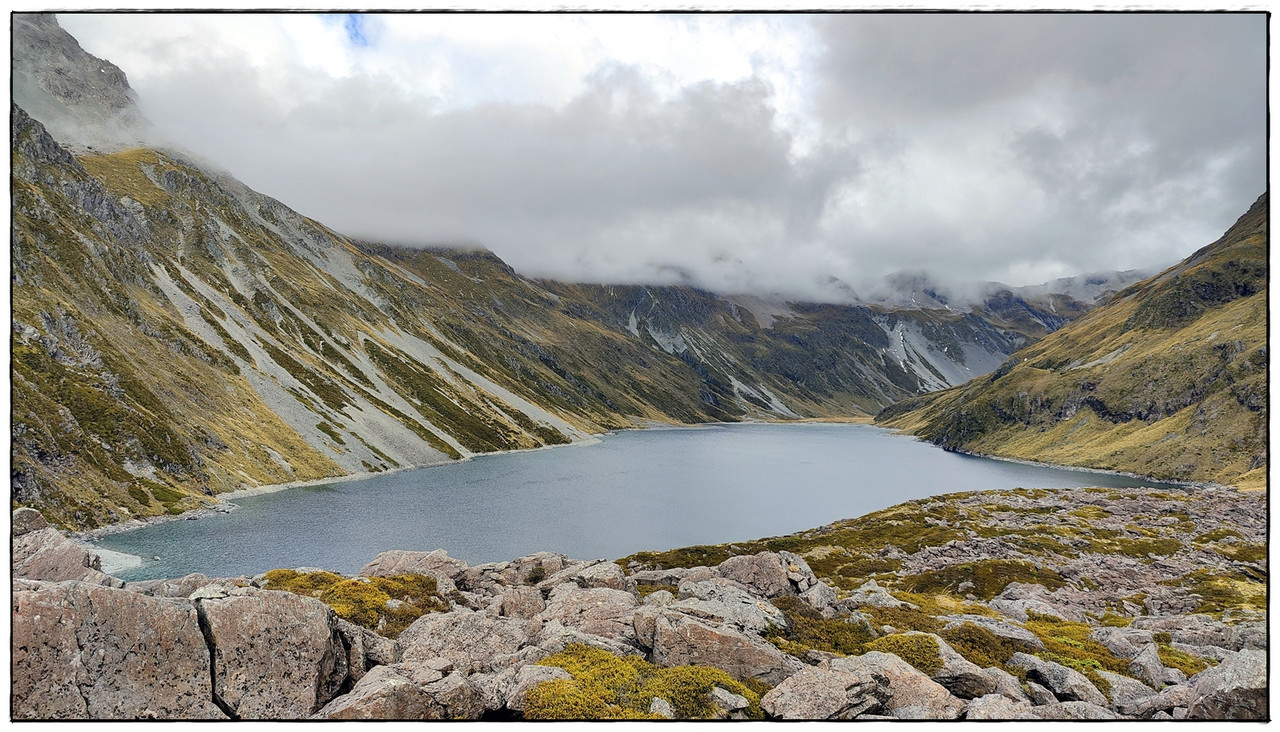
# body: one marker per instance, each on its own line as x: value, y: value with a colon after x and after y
x: 917, y: 649
x: 366, y: 601
x: 605, y: 686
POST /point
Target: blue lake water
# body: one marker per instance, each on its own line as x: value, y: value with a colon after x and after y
x: 632, y: 491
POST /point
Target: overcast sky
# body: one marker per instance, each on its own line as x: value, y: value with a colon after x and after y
x: 743, y: 153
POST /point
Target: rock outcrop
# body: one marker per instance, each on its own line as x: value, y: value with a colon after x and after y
x: 196, y: 647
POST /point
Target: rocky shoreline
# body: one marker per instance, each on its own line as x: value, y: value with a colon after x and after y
x: 1065, y: 604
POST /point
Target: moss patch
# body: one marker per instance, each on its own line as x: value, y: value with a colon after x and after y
x: 917, y: 649
x: 386, y: 605
x: 989, y: 578
x: 605, y: 686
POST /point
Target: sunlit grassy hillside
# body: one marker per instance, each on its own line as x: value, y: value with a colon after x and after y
x: 1168, y: 379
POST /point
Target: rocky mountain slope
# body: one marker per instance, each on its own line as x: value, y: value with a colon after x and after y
x: 1168, y: 379
x: 1065, y: 604
x: 177, y: 335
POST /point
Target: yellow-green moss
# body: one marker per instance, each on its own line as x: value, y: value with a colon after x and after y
x: 808, y: 630
x: 366, y: 601
x: 989, y: 577
x: 917, y: 649
x: 1184, y: 662
x: 981, y: 646
x: 605, y: 686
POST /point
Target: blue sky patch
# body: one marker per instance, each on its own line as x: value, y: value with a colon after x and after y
x: 357, y: 26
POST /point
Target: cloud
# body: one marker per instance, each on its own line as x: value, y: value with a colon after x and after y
x: 797, y: 155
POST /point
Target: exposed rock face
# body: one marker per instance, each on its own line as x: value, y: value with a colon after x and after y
x: 1146, y: 665
x: 997, y: 707
x: 823, y: 693
x: 41, y: 552
x: 82, y: 651
x: 597, y: 611
x: 908, y: 693
x: 1234, y: 689
x: 1066, y: 684
x: 407, y: 692
x: 276, y: 655
x: 676, y: 639
x: 763, y: 573
x: 26, y: 520
x: 473, y: 641
x: 199, y: 647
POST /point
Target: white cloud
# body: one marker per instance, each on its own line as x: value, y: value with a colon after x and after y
x: 736, y: 151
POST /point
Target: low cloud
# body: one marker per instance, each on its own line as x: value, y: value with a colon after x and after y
x: 974, y: 147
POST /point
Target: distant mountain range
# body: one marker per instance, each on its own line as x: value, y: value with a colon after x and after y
x: 177, y: 335
x: 1168, y: 379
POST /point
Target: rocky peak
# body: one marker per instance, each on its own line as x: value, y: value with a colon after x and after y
x: 83, y: 100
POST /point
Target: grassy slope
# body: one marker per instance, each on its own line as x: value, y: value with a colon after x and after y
x: 178, y: 336
x: 1167, y: 379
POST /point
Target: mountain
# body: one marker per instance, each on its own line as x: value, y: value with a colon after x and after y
x: 1168, y: 379
x: 176, y: 335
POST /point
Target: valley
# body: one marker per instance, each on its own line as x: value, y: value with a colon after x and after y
x: 518, y: 497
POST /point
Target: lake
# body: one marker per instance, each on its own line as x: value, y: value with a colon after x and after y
x: 635, y: 490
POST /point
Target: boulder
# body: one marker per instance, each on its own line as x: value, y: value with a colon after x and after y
x: 821, y: 597
x: 1073, y: 710
x: 398, y: 561
x: 555, y: 637
x: 591, y: 575
x: 763, y: 574
x: 1005, y: 684
x: 182, y: 586
x: 1018, y: 599
x: 1122, y: 642
x: 276, y: 655
x: 662, y: 708
x: 1200, y: 630
x: 798, y: 573
x: 521, y: 602
x: 474, y: 641
x: 1169, y: 698
x: 724, y: 601
x: 677, y: 639
x: 997, y: 707
x: 902, y: 686
x: 728, y: 704
x: 365, y: 649
x: 1039, y: 695
x: 959, y: 676
x: 869, y: 594
x: 599, y: 611
x: 527, y: 677
x: 407, y: 691
x: 822, y: 693
x: 384, y: 694
x: 1125, y: 691
x: 437, y: 564
x: 25, y: 520
x: 1148, y: 667
x: 1066, y: 684
x: 46, y: 555
x: 84, y: 651
x: 1234, y: 689
x: 660, y: 597
x: 673, y: 576
x: 1000, y: 628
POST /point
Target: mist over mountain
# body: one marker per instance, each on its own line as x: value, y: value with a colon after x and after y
x: 798, y: 156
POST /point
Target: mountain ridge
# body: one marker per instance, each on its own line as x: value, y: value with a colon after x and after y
x: 1168, y: 379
